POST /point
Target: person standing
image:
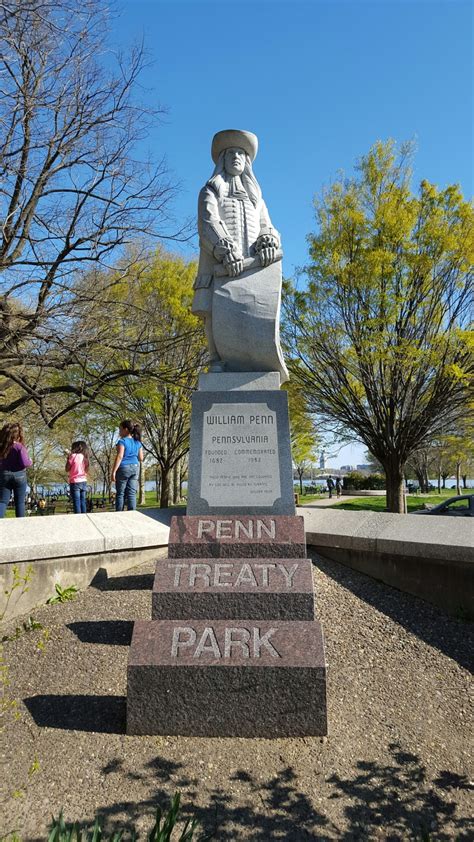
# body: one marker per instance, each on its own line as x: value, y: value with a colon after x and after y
x: 14, y: 461
x: 77, y: 465
x: 330, y: 485
x: 126, y: 465
x: 338, y: 487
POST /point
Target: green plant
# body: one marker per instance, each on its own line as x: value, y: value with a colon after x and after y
x: 19, y: 581
x: 35, y: 766
x: 162, y: 833
x: 62, y: 832
x: 164, y: 825
x: 44, y: 637
x: 6, y: 703
x: 62, y: 594
x: 28, y: 625
x: 362, y: 482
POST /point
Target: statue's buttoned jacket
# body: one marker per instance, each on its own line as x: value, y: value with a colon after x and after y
x: 225, y: 218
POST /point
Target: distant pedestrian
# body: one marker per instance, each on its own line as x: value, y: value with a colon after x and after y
x: 14, y: 461
x: 77, y: 465
x: 330, y: 485
x: 126, y: 465
x: 338, y: 487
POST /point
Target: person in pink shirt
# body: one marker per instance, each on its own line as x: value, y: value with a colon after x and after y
x: 14, y: 461
x: 77, y: 465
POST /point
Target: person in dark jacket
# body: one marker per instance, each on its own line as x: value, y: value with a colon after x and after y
x: 14, y: 461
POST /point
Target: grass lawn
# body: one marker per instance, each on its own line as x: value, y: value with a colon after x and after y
x: 414, y: 501
x: 63, y: 506
x: 308, y: 498
x: 373, y: 504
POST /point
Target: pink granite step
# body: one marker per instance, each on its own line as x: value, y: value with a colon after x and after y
x: 240, y: 678
x: 232, y: 536
x: 262, y: 588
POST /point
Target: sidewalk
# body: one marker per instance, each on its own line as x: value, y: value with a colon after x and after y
x: 324, y: 504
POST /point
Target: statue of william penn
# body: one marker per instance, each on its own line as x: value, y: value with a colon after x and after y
x: 237, y: 290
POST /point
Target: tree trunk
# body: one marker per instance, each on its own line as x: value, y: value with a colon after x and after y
x: 426, y: 481
x: 458, y: 478
x: 176, y: 474
x: 395, y: 487
x: 300, y: 474
x: 157, y: 483
x: 141, y: 485
x: 464, y: 481
x: 165, y: 488
x: 439, y: 483
x: 445, y: 477
x: 420, y: 479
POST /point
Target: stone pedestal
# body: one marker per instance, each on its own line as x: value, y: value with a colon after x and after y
x: 233, y: 648
x: 247, y: 678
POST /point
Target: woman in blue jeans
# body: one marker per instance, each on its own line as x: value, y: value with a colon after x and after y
x: 127, y: 465
x: 14, y: 461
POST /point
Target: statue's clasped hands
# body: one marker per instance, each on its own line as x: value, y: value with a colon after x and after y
x: 231, y: 259
x: 266, y: 248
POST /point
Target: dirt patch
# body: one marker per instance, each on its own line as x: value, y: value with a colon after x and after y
x: 395, y: 765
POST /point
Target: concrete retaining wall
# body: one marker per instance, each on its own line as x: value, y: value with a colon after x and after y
x: 428, y: 556
x: 73, y: 550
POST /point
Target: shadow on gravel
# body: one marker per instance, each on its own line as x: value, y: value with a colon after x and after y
x: 102, y: 714
x: 112, y: 632
x: 400, y: 798
x: 397, y: 799
x: 454, y: 638
x: 133, y: 582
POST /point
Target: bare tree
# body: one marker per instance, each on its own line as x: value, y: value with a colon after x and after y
x: 72, y: 191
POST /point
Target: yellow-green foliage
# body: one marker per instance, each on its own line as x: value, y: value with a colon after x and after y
x: 381, y: 336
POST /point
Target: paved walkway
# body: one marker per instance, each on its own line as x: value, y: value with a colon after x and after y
x: 324, y: 504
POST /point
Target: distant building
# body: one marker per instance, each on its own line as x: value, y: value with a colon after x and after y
x: 364, y: 467
x: 347, y: 468
x: 322, y: 460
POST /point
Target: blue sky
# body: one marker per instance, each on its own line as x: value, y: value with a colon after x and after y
x: 318, y: 82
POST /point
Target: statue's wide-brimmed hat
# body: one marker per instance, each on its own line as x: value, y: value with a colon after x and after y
x: 235, y: 138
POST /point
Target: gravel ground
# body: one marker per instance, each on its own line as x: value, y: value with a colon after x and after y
x: 394, y: 767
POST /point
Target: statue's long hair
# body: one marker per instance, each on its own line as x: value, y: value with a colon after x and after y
x: 219, y: 180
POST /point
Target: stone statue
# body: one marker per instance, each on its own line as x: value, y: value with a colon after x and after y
x: 238, y: 285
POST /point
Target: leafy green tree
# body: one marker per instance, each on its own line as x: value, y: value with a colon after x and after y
x: 45, y: 452
x: 459, y: 449
x: 303, y: 434
x: 161, y: 344
x: 380, y: 336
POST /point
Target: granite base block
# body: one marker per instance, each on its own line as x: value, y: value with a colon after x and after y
x: 237, y: 536
x: 240, y: 454
x: 264, y: 589
x: 227, y: 679
x: 235, y: 381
